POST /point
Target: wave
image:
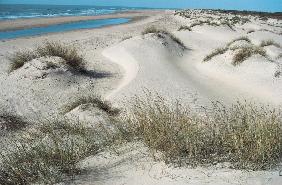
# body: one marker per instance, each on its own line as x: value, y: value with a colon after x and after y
x: 34, y: 11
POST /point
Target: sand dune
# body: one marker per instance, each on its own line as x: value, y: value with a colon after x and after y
x: 156, y: 62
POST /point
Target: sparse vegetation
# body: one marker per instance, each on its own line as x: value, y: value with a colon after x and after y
x: 239, y: 39
x: 19, y: 58
x: 46, y: 155
x: 184, y: 28
x: 96, y: 101
x: 69, y: 53
x: 246, y: 52
x: 245, y: 135
x: 126, y: 38
x: 161, y: 32
x: 277, y: 74
x: 11, y: 122
x: 250, y: 31
x: 216, y: 52
x: 269, y: 43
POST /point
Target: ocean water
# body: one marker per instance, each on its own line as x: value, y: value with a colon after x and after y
x: 61, y: 28
x: 32, y: 11
x: 11, y: 12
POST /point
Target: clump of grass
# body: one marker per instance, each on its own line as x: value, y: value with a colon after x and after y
x: 269, y: 43
x: 69, y: 53
x: 19, y: 58
x: 184, y: 28
x: 126, y: 38
x: 12, y: 122
x: 245, y: 135
x: 216, y: 52
x: 98, y: 102
x: 243, y: 38
x: 47, y: 155
x: 277, y: 74
x: 250, y: 31
x: 246, y: 52
x: 161, y: 32
x: 152, y: 29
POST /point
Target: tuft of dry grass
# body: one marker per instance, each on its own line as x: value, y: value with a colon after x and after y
x: 46, y: 155
x: 243, y: 38
x: 216, y: 52
x: 246, y: 52
x: 269, y: 43
x: 184, y: 28
x: 96, y: 101
x: 245, y: 135
x: 19, y: 58
x: 161, y: 32
x: 11, y: 122
x: 250, y: 31
x: 69, y: 53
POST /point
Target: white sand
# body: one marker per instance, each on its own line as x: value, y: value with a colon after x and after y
x: 158, y: 65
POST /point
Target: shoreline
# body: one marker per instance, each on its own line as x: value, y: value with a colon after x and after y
x: 12, y: 25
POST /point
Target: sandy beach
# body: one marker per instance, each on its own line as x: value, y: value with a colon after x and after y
x: 8, y: 25
x: 122, y: 62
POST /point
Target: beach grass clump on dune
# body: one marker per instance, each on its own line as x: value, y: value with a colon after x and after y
x: 11, y: 122
x: 216, y: 52
x: 69, y: 53
x: 243, y: 38
x: 96, y: 101
x: 161, y: 32
x: 47, y: 155
x: 19, y: 58
x: 184, y: 28
x: 246, y: 52
x: 269, y: 43
x: 244, y: 135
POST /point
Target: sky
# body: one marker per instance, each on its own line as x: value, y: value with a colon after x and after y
x: 258, y: 5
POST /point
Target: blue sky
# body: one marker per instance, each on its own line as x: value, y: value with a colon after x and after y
x: 261, y: 5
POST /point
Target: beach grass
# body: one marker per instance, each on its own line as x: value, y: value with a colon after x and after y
x: 269, y: 43
x: 184, y: 28
x: 49, y: 48
x: 214, y: 53
x: 245, y: 135
x: 246, y: 52
x: 95, y: 101
x: 161, y: 32
x: 46, y: 155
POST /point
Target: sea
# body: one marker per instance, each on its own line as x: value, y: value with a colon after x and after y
x: 13, y: 12
x: 17, y: 11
